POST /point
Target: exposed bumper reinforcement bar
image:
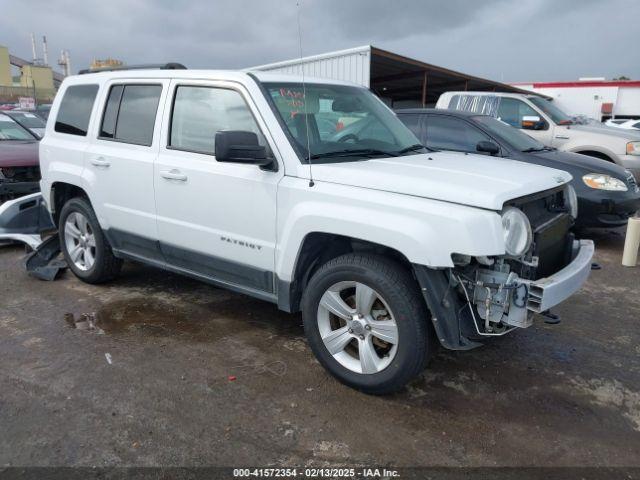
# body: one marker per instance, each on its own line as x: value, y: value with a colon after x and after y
x: 550, y: 291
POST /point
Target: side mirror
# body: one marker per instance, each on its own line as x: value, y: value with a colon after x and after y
x: 485, y: 146
x: 532, y: 122
x: 237, y: 146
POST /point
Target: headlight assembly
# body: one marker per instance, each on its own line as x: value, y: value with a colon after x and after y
x: 600, y: 181
x: 517, y: 232
x: 633, y: 148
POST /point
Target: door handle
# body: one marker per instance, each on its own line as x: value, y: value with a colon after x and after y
x: 173, y: 174
x: 100, y: 162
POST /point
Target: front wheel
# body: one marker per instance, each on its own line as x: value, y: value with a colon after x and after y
x: 84, y: 245
x: 366, y: 322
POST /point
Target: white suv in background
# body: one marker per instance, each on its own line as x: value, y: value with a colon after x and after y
x: 386, y: 248
x: 548, y: 124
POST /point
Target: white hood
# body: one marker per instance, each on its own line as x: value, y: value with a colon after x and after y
x: 468, y: 179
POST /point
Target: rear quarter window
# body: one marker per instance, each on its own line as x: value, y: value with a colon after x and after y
x: 75, y: 109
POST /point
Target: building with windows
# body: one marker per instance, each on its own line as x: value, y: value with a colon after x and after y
x: 35, y: 80
x: 5, y: 68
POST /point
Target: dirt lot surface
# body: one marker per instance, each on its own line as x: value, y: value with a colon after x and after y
x: 182, y: 373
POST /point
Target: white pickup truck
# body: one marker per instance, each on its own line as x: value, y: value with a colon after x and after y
x: 545, y: 122
x: 237, y: 179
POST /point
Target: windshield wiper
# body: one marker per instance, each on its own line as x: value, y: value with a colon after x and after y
x: 412, y: 148
x: 539, y: 149
x: 364, y: 152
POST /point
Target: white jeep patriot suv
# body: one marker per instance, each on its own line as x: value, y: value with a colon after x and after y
x: 242, y: 180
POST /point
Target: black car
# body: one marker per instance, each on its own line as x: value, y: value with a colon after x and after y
x: 607, y: 193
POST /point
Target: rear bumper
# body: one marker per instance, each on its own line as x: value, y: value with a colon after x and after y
x: 548, y: 292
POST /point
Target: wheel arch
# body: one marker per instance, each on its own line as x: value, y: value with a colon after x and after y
x: 61, y: 193
x: 596, y: 153
x: 318, y: 248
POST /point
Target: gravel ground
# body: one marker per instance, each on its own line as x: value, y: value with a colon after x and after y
x: 181, y: 373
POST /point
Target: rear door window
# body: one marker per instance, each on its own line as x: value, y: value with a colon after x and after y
x: 448, y: 133
x: 75, y: 109
x: 108, y: 129
x: 130, y: 113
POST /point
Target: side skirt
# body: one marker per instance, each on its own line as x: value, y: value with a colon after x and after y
x: 262, y: 295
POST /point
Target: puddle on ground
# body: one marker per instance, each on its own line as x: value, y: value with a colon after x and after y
x: 204, y: 322
x: 150, y: 316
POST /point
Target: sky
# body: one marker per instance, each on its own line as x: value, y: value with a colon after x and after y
x: 504, y: 40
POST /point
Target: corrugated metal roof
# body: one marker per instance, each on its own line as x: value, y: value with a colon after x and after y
x: 351, y: 65
x: 392, y: 76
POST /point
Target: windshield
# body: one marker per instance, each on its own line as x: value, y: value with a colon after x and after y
x: 557, y: 115
x: 512, y: 136
x: 345, y: 123
x: 10, y: 130
x: 28, y: 120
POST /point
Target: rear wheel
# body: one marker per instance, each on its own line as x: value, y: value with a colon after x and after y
x: 366, y: 322
x: 83, y: 244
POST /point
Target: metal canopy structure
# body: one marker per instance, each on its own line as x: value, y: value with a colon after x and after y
x: 398, y: 79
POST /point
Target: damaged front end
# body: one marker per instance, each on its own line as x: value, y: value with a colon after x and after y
x: 16, y: 182
x: 484, y: 297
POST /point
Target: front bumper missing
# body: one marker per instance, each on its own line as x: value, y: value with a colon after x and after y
x: 456, y: 320
x: 548, y: 292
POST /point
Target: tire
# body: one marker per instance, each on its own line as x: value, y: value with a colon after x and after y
x: 397, y: 300
x: 105, y: 266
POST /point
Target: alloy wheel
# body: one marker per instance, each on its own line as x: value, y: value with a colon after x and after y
x: 357, y: 327
x: 80, y: 241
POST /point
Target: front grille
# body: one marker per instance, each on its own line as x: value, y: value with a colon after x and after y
x: 20, y: 174
x: 550, y: 223
x: 552, y: 244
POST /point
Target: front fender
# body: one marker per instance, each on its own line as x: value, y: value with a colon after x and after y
x: 593, y: 148
x: 425, y: 231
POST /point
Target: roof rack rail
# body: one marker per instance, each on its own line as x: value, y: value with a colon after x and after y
x: 158, y: 66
